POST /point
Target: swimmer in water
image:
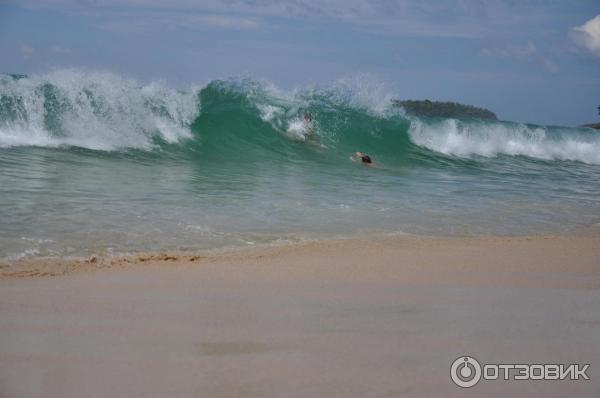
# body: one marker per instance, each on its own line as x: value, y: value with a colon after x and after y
x: 310, y: 132
x: 308, y: 118
x: 308, y: 122
x: 362, y: 158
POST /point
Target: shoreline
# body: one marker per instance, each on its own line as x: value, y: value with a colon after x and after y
x: 61, y: 266
x: 384, y: 317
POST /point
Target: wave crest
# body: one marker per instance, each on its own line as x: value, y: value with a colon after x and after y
x: 100, y: 111
x: 103, y: 111
x: 490, y: 139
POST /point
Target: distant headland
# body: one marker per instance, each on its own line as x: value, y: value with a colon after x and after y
x: 592, y: 125
x: 455, y: 110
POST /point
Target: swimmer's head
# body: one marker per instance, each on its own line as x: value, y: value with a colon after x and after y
x: 366, y: 159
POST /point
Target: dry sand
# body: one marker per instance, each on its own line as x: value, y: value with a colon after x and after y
x: 348, y: 318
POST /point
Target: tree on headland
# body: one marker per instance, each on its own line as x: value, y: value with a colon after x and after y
x: 429, y: 108
x: 593, y: 125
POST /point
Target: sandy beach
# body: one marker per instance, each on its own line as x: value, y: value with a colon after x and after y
x: 343, y: 318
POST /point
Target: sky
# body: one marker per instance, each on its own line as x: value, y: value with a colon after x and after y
x: 533, y: 61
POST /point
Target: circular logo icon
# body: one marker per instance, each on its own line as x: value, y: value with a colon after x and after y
x: 465, y: 371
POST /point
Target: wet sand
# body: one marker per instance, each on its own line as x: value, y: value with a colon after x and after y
x: 348, y: 318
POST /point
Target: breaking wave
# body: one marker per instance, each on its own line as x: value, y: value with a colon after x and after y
x: 103, y: 111
x: 99, y: 111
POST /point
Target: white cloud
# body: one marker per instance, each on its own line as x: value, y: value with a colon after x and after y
x: 137, y: 23
x: 528, y: 52
x: 443, y: 18
x: 511, y: 51
x: 588, y: 35
x: 61, y: 50
x: 549, y: 65
x: 221, y: 21
x: 26, y: 50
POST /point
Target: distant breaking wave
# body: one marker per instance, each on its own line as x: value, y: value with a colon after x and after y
x: 106, y: 112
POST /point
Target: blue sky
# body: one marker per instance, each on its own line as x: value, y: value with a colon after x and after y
x: 530, y: 60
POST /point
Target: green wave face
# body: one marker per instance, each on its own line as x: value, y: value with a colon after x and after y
x: 101, y: 162
x: 243, y: 120
x: 244, y: 117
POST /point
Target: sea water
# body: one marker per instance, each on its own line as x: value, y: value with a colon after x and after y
x: 98, y: 163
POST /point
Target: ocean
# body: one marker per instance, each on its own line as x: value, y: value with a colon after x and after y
x: 96, y: 163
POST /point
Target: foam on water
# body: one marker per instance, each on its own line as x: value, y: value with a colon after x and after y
x: 366, y: 92
x: 93, y: 110
x: 103, y: 111
x: 489, y: 139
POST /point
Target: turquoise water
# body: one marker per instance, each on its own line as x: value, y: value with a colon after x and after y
x: 96, y: 163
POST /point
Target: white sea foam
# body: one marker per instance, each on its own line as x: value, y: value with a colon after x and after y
x: 93, y: 110
x: 365, y: 91
x: 269, y: 112
x: 284, y: 110
x: 489, y: 139
x: 285, y: 121
x: 297, y: 129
